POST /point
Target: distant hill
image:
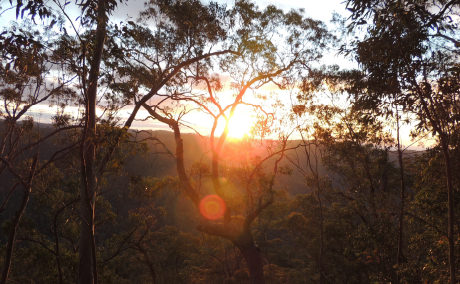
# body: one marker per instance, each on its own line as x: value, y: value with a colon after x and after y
x: 158, y: 160
x: 234, y: 153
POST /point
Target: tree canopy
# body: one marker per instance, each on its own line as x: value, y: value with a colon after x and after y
x: 136, y: 174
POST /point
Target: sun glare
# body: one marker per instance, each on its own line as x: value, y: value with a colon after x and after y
x: 240, y: 123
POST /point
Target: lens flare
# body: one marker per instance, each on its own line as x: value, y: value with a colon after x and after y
x: 212, y: 207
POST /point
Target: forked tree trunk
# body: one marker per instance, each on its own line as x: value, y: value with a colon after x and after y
x: 242, y: 240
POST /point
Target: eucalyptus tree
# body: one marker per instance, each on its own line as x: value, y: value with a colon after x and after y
x: 98, y: 14
x: 410, y: 52
x: 168, y: 58
x: 172, y: 62
x: 79, y: 53
x: 84, y: 50
x: 27, y: 79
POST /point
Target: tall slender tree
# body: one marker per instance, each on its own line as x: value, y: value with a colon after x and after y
x: 87, y: 244
x: 410, y: 49
x: 25, y: 71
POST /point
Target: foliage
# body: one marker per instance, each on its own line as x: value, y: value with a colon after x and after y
x: 341, y: 202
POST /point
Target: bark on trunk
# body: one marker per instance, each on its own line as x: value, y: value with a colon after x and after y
x: 87, y: 247
x: 255, y: 263
x: 403, y: 196
x: 253, y: 257
x: 450, y: 209
x: 321, y: 237
x: 87, y: 197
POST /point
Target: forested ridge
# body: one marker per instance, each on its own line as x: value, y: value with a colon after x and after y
x: 276, y: 166
x: 142, y: 189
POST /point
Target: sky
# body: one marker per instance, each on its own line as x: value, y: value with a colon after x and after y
x: 320, y: 10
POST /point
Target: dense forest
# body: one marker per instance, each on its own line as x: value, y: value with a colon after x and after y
x: 229, y: 142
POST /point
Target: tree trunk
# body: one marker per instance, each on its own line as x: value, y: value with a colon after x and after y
x: 315, y: 174
x: 253, y: 257
x: 149, y: 263
x: 403, y: 196
x: 12, y: 235
x: 321, y: 238
x: 444, y: 139
x: 17, y: 219
x: 450, y: 209
x: 87, y: 246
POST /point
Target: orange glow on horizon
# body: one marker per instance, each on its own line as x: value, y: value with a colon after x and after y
x: 212, y: 207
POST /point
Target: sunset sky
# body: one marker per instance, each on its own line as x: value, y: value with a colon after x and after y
x: 241, y: 124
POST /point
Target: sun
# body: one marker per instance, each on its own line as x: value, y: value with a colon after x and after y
x: 240, y: 124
